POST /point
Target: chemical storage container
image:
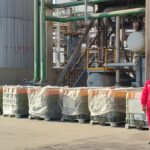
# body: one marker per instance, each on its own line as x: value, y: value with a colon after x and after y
x: 43, y: 103
x: 1, y: 100
x: 74, y: 104
x: 107, y: 106
x: 15, y: 101
x: 135, y: 117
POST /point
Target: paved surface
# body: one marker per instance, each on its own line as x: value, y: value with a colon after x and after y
x: 24, y: 134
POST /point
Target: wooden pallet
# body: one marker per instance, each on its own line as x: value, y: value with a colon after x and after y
x: 129, y: 126
x: 134, y: 120
x: 75, y: 118
x: 31, y: 117
x: 15, y: 116
x: 113, y: 122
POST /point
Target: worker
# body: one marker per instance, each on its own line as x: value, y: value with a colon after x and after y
x: 145, y: 101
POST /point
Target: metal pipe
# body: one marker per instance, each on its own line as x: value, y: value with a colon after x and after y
x: 58, y: 63
x: 42, y: 43
x: 85, y: 11
x: 126, y: 12
x: 114, y: 65
x: 36, y: 42
x: 76, y: 3
x: 117, y: 48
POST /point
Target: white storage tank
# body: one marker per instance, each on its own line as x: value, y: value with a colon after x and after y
x: 136, y: 42
x: 16, y: 41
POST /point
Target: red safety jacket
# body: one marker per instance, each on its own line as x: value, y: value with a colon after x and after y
x: 145, y: 99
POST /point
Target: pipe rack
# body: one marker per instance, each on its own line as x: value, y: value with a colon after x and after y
x: 40, y: 28
x: 126, y: 12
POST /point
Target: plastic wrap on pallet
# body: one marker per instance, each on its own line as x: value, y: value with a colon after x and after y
x: 1, y: 100
x: 44, y: 102
x: 15, y: 100
x: 133, y: 106
x: 106, y: 100
x: 74, y: 101
x: 133, y: 103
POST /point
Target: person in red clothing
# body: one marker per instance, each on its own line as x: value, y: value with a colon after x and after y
x: 145, y: 101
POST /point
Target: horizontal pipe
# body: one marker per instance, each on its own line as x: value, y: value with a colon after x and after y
x: 99, y: 15
x: 76, y: 3
x: 114, y: 65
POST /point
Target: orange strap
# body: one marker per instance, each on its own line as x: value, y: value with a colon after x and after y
x: 113, y: 93
x: 52, y: 92
x: 17, y: 91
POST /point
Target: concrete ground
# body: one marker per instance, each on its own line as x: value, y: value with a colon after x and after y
x: 24, y: 134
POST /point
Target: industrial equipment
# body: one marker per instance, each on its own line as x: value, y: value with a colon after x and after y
x: 112, y: 33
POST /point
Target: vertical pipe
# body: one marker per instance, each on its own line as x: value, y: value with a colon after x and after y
x: 58, y: 63
x: 36, y: 42
x: 42, y: 42
x: 85, y: 11
x: 100, y: 34
x: 117, y: 48
x: 138, y: 70
x: 122, y: 37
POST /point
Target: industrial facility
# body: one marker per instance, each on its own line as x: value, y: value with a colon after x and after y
x: 74, y: 64
x: 91, y: 46
x: 78, y: 45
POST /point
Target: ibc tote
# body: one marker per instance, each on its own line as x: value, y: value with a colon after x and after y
x: 15, y: 101
x: 43, y: 103
x: 107, y: 105
x: 135, y: 117
x: 74, y: 104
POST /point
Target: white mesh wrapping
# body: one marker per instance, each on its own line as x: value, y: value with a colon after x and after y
x: 43, y: 102
x: 15, y: 100
x: 74, y: 101
x: 102, y: 101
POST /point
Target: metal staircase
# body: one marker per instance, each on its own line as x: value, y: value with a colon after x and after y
x: 76, y: 65
x: 77, y: 74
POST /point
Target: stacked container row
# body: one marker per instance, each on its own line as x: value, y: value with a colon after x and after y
x: 113, y: 106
